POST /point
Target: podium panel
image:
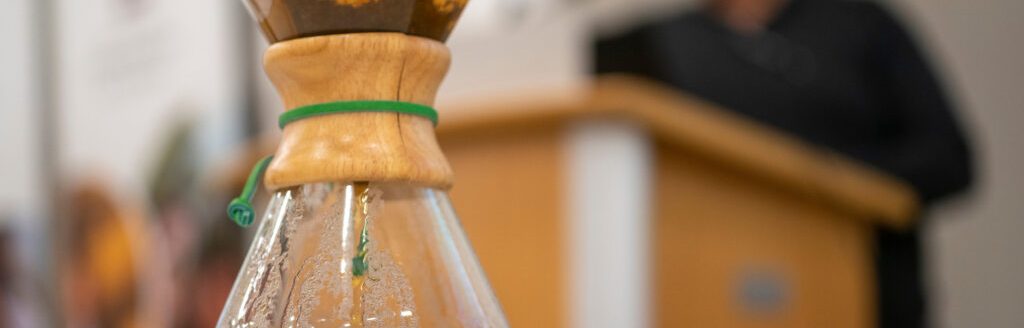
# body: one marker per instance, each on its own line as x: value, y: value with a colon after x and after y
x: 738, y: 226
x: 509, y: 199
x: 733, y: 252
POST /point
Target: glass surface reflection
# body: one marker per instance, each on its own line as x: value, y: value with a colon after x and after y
x: 361, y: 255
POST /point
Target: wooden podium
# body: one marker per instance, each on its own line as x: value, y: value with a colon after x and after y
x: 631, y: 205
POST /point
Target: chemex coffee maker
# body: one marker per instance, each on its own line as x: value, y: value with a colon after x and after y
x: 359, y: 231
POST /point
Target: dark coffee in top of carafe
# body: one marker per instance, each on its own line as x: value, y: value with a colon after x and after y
x: 290, y: 19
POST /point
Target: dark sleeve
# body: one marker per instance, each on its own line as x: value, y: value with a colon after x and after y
x: 629, y: 53
x: 924, y: 143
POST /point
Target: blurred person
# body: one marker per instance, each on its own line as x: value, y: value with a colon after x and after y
x: 177, y: 203
x: 16, y: 309
x: 842, y: 74
x: 8, y: 315
x: 100, y: 284
x: 111, y: 270
x: 219, y: 250
x: 218, y: 257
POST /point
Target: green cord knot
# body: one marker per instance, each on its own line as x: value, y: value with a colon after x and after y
x: 240, y: 210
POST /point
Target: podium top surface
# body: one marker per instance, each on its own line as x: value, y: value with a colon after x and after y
x: 686, y: 122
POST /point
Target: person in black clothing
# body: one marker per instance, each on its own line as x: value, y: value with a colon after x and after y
x: 841, y: 74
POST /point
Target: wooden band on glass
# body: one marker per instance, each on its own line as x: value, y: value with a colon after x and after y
x: 362, y: 146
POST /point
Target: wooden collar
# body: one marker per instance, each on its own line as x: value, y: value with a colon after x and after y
x: 372, y: 146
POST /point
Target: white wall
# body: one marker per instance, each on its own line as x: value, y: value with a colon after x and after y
x: 976, y: 243
x: 18, y: 142
x: 521, y: 46
x: 508, y: 46
x: 129, y: 71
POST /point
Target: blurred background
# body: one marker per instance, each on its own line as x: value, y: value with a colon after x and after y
x: 126, y: 126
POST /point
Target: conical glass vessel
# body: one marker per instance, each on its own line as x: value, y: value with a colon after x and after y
x: 361, y: 255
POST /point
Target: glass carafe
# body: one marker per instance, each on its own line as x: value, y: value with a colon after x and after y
x: 361, y: 255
